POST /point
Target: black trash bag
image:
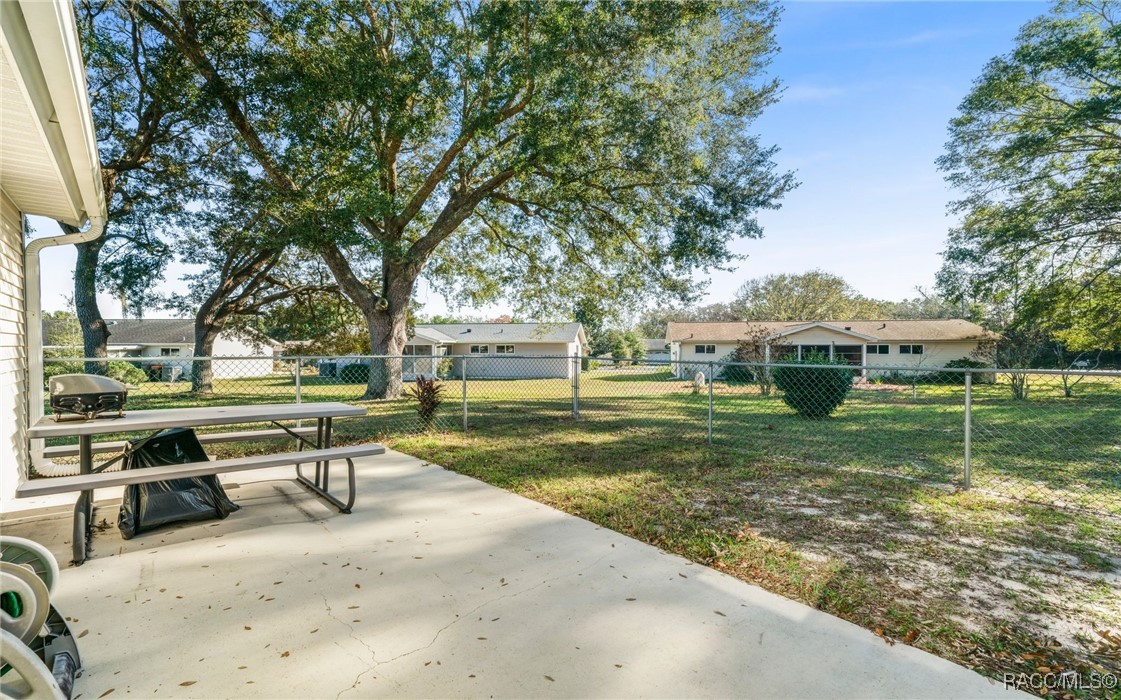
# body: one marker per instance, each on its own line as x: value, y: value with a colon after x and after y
x: 148, y: 506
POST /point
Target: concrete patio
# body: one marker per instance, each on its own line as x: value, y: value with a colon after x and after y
x: 439, y: 585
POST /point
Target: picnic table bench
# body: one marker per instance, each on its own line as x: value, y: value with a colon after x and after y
x: 321, y: 453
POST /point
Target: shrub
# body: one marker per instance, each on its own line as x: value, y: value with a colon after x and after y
x: 957, y: 377
x: 589, y: 363
x: 357, y: 373
x: 737, y: 373
x: 817, y: 387
x: 444, y: 367
x: 116, y: 369
x: 53, y: 369
x: 125, y: 372
x: 429, y: 394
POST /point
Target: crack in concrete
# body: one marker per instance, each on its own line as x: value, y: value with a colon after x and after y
x: 457, y: 620
x: 484, y: 604
x: 355, y: 637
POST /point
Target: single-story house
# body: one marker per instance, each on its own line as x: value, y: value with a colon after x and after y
x: 167, y: 338
x: 885, y: 343
x: 657, y: 349
x: 175, y: 337
x: 492, y: 350
x: 48, y: 167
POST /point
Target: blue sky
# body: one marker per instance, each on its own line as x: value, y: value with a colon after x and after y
x: 869, y: 91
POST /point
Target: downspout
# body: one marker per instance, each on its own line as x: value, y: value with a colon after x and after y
x: 33, y: 307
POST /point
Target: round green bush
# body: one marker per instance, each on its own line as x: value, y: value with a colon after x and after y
x: 126, y: 372
x: 957, y: 377
x: 358, y: 373
x: 738, y: 374
x: 53, y: 368
x: 117, y: 369
x: 815, y: 388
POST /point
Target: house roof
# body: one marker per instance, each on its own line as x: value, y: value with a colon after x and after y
x: 49, y: 163
x: 139, y: 331
x: 151, y: 331
x: 503, y: 332
x: 947, y: 329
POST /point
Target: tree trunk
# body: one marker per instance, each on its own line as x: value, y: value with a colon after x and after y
x: 95, y: 332
x: 202, y: 373
x: 387, y: 327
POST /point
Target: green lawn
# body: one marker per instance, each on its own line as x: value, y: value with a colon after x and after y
x: 811, y: 509
x: 1048, y: 448
x: 984, y: 582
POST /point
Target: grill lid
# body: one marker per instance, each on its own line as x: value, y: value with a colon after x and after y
x: 73, y: 384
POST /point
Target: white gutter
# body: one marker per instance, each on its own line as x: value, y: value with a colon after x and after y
x: 34, y: 315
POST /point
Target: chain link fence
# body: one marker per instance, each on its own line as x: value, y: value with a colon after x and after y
x: 1050, y: 436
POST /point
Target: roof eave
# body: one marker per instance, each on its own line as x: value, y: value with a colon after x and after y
x: 41, y: 42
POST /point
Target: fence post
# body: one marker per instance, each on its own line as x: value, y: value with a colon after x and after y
x: 968, y: 428
x: 463, y: 375
x: 710, y: 378
x: 576, y: 386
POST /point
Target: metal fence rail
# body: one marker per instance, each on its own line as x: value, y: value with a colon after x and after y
x: 1051, y: 436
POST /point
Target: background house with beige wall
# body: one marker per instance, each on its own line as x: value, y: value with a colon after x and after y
x: 48, y: 167
x: 160, y: 340
x: 493, y: 350
x: 883, y: 343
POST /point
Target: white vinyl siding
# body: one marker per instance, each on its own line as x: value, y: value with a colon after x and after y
x: 13, y: 351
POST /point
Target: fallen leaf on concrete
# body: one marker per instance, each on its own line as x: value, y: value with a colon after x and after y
x: 631, y: 599
x: 187, y: 683
x: 549, y: 678
x: 248, y: 627
x: 106, y: 692
x: 285, y: 654
x: 83, y: 633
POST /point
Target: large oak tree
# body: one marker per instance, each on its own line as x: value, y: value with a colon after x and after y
x: 532, y: 150
x: 1036, y: 151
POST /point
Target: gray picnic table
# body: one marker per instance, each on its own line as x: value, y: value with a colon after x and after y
x: 89, y: 477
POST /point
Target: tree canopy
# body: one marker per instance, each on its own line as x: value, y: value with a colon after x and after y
x: 1036, y: 150
x: 811, y: 296
x: 538, y: 151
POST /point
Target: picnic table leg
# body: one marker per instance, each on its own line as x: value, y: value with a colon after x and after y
x: 83, y: 509
x: 322, y: 471
x: 318, y: 445
x: 326, y: 444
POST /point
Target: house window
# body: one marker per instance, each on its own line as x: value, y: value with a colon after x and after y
x: 910, y: 349
x: 480, y: 349
x: 878, y: 349
x: 504, y: 349
x: 706, y: 349
x: 169, y: 352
